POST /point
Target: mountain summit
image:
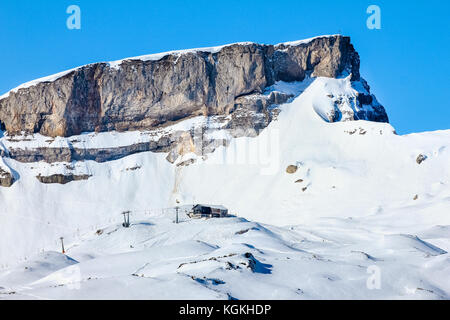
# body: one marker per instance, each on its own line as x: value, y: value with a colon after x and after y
x: 321, y: 189
x: 145, y: 92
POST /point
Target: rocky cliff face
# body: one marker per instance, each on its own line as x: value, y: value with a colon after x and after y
x: 6, y: 176
x: 185, y: 104
x: 141, y: 94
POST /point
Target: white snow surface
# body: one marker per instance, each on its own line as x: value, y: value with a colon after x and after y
x: 358, y: 201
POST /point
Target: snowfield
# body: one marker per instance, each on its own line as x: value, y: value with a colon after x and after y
x: 357, y: 217
x: 233, y: 258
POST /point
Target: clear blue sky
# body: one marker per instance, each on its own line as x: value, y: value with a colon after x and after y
x: 406, y: 62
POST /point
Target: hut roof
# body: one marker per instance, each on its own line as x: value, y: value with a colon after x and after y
x: 212, y: 206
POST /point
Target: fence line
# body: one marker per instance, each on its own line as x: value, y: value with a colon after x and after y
x: 80, y: 232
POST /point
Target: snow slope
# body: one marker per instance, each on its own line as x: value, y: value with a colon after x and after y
x: 233, y: 258
x: 358, y: 199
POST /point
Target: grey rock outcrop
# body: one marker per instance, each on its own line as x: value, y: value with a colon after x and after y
x: 61, y: 178
x: 171, y: 142
x: 141, y: 95
x: 70, y: 153
x: 421, y: 158
x: 6, y: 178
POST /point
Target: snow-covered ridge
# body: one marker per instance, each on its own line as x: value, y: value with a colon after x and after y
x: 150, y: 57
x: 158, y: 56
x: 50, y: 78
x: 305, y: 41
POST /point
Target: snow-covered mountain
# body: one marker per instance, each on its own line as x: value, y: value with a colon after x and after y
x: 321, y: 198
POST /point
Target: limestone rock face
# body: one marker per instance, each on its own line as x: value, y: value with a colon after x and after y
x: 291, y: 169
x: 61, y: 178
x: 144, y: 94
x: 6, y: 176
x: 421, y: 158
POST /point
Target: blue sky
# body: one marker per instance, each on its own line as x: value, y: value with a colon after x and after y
x: 406, y: 62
